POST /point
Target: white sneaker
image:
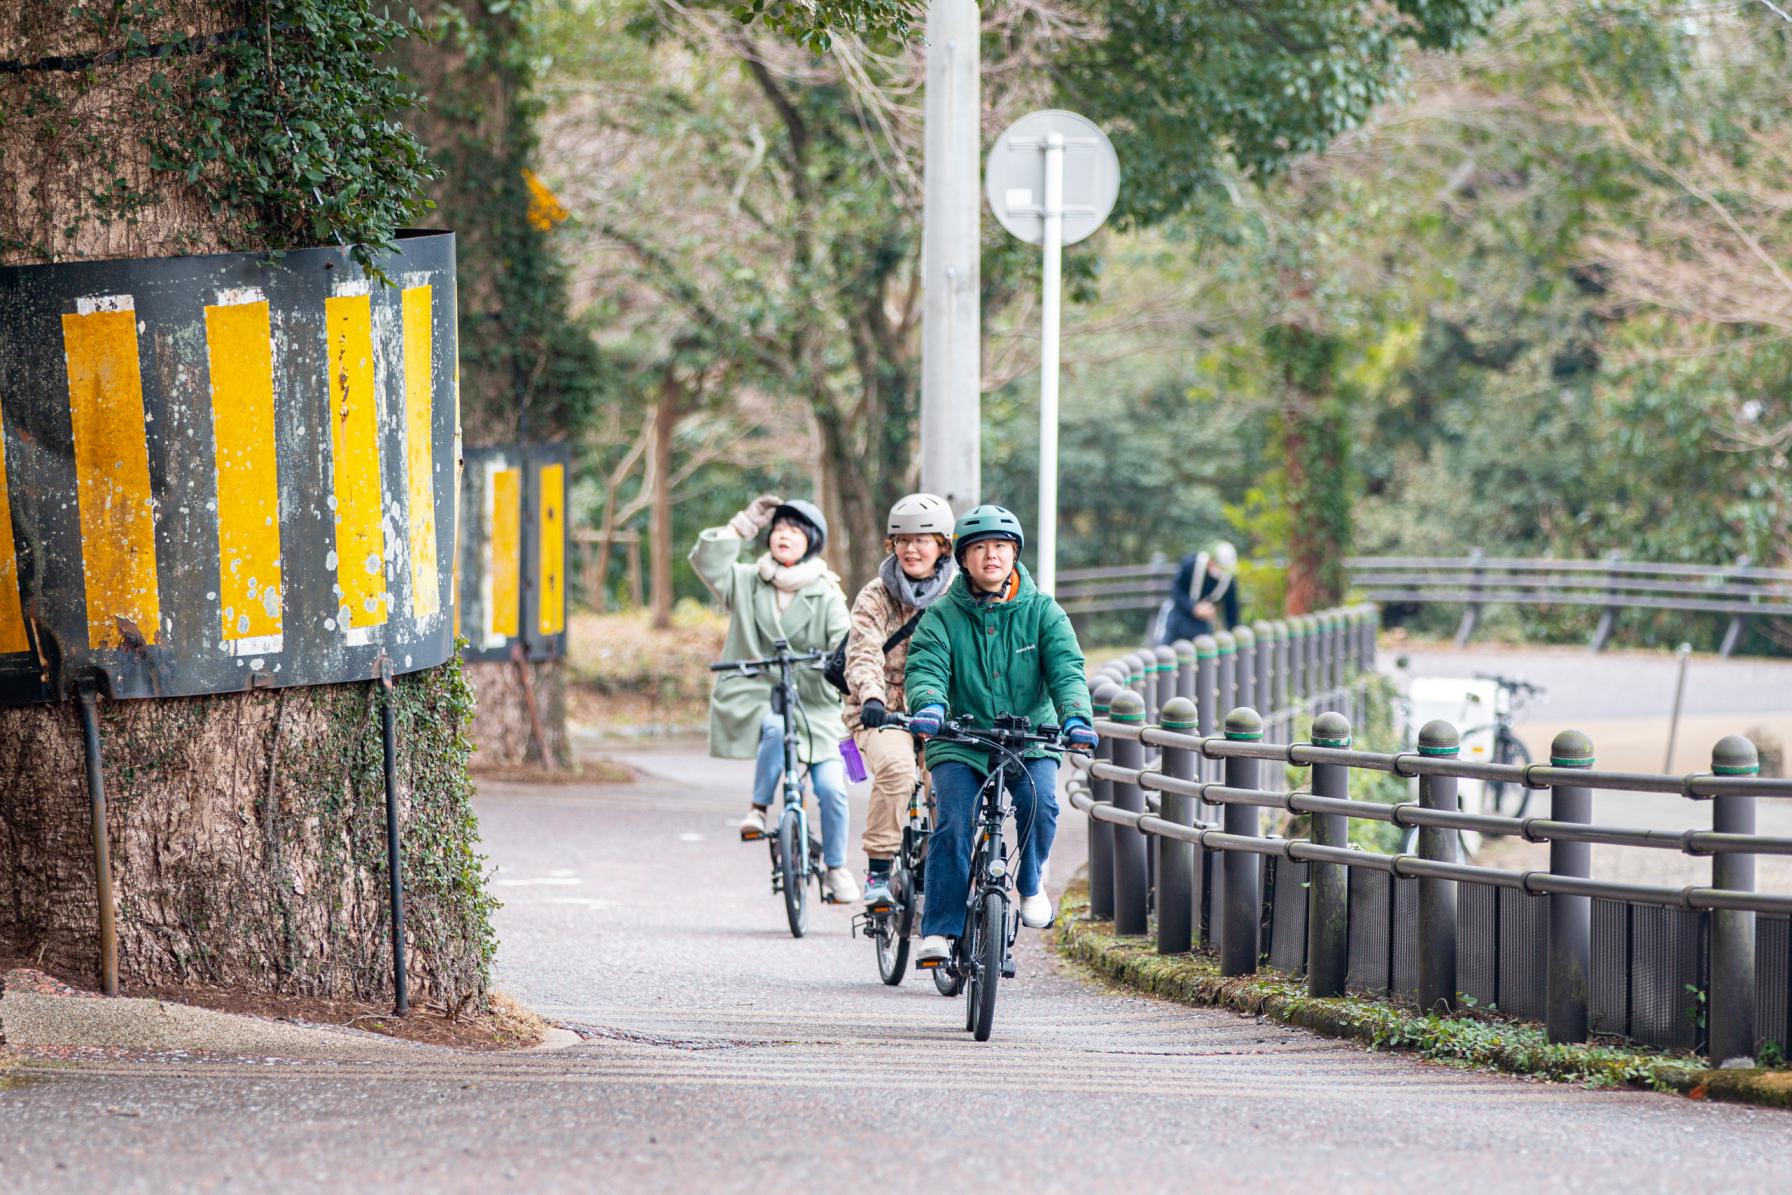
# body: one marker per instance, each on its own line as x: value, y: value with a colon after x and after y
x: 842, y: 888
x: 935, y: 949
x: 1036, y: 910
x: 752, y: 826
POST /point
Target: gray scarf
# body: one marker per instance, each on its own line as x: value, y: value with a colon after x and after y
x: 910, y: 592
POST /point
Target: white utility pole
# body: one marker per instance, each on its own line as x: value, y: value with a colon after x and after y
x: 1047, y: 578
x: 951, y: 338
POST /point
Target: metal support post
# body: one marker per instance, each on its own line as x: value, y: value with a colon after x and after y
x: 1437, y: 898
x: 1284, y: 664
x: 1328, y: 884
x: 1225, y: 649
x: 1608, y: 620
x: 1263, y: 688
x: 1242, y: 891
x: 1311, y: 641
x: 1298, y: 635
x: 1732, y: 1001
x: 1052, y: 286
x: 1185, y: 668
x: 1207, y: 695
x: 1570, y: 917
x: 1471, y: 615
x: 102, y: 838
x: 394, y: 853
x: 1246, y: 667
x: 1685, y: 655
x: 1166, y: 680
x: 1101, y: 834
x: 1176, y: 860
x: 1130, y: 879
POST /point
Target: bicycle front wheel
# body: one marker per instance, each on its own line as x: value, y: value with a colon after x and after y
x: 893, y: 931
x: 992, y: 941
x: 1509, y: 798
x: 790, y: 862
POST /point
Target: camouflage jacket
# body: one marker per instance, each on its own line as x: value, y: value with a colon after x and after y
x: 876, y: 615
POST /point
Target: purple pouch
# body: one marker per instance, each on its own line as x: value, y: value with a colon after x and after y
x: 855, y: 763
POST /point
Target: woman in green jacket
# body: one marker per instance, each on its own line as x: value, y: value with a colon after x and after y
x: 787, y: 593
x: 993, y: 645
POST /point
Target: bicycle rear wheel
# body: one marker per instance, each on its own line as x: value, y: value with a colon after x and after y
x: 893, y: 930
x: 1508, y: 798
x: 969, y: 951
x: 992, y: 941
x: 790, y: 862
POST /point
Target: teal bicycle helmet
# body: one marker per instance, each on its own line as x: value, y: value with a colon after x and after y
x: 986, y: 522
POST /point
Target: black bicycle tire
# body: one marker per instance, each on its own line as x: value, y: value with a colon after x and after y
x: 796, y: 897
x: 967, y: 966
x: 1508, y: 749
x: 892, y: 935
x: 992, y: 936
x: 947, y: 982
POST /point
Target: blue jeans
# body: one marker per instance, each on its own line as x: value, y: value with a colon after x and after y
x: 828, y: 776
x: 955, y: 787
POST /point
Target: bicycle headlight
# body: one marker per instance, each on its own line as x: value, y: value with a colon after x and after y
x: 998, y: 868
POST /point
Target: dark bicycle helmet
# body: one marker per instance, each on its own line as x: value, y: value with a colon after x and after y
x: 986, y: 522
x: 815, y: 524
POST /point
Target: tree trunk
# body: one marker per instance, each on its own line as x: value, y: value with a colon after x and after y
x: 503, y: 732
x: 247, y: 830
x: 666, y: 414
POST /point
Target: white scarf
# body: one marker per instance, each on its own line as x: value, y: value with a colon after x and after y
x: 790, y: 579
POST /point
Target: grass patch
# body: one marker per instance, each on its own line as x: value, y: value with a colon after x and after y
x: 1469, y: 1039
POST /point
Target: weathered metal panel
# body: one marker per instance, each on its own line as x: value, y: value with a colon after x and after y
x: 1477, y: 943
x: 1524, y: 953
x: 1667, y: 973
x: 1403, y: 942
x: 1608, y: 996
x: 1773, y: 981
x: 223, y: 472
x: 1369, y: 939
x: 513, y: 551
x: 1288, y: 943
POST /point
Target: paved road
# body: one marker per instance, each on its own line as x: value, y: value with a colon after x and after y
x: 724, y: 1056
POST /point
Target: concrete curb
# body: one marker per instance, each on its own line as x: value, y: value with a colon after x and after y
x: 1133, y: 962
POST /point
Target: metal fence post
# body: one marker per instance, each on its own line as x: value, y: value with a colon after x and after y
x: 1243, y: 871
x: 1297, y: 662
x: 1101, y: 834
x: 1437, y: 898
x: 1130, y: 879
x: 1570, y: 917
x: 1328, y: 884
x: 1264, y: 686
x: 1284, y: 664
x: 1246, y: 667
x: 1608, y: 620
x: 1732, y: 1002
x: 1136, y: 677
x: 1166, y: 680
x: 1185, y: 668
x: 1225, y: 651
x: 1310, y: 641
x: 1472, y: 613
x: 1176, y: 860
x: 1207, y: 696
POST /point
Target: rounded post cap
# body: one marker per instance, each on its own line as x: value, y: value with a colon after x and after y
x: 1224, y: 643
x: 1281, y: 628
x: 1244, y: 725
x: 1735, y: 756
x: 1265, y: 630
x: 1331, y: 729
x: 1102, y: 696
x: 1244, y: 637
x: 1184, y: 650
x: 1438, y: 737
x: 1571, y: 749
x: 1166, y: 659
x: 1127, y: 706
x: 1205, y: 647
x: 1178, y: 714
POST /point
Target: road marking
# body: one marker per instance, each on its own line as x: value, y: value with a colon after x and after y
x: 239, y: 350
x: 355, y: 462
x: 118, y: 541
x: 426, y: 585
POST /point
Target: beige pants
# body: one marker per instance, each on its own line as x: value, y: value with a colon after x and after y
x: 890, y: 758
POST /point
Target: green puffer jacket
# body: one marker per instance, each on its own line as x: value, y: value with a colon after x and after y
x: 1015, y: 657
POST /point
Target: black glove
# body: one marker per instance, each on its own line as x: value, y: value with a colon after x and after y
x: 871, y: 714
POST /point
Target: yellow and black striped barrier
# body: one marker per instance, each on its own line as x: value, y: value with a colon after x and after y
x: 513, y: 552
x: 225, y: 472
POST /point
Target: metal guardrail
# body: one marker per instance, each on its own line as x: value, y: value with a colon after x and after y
x: 1475, y: 581
x: 1582, y: 954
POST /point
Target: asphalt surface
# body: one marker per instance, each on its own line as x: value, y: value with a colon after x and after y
x: 722, y: 1055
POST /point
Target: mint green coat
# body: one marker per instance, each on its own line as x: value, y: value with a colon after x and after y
x: 1015, y: 657
x: 815, y: 620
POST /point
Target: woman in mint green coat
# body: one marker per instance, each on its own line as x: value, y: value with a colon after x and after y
x: 788, y: 593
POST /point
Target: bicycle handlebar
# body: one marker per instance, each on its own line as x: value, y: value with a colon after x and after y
x: 751, y: 666
x: 1506, y: 682
x: 1021, y: 735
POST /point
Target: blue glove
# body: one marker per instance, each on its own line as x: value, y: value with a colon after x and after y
x: 928, y: 719
x: 1078, y: 733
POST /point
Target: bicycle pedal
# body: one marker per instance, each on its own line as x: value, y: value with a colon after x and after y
x: 752, y: 835
x: 929, y: 964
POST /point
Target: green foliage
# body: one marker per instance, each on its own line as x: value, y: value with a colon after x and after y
x: 812, y: 24
x: 291, y: 132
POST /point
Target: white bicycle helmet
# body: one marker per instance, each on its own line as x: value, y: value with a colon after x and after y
x: 920, y: 514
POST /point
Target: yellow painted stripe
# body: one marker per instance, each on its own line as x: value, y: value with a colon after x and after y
x: 419, y: 456
x: 551, y: 518
x: 12, y: 618
x: 239, y: 348
x: 355, y: 454
x: 506, y: 572
x: 118, y: 542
